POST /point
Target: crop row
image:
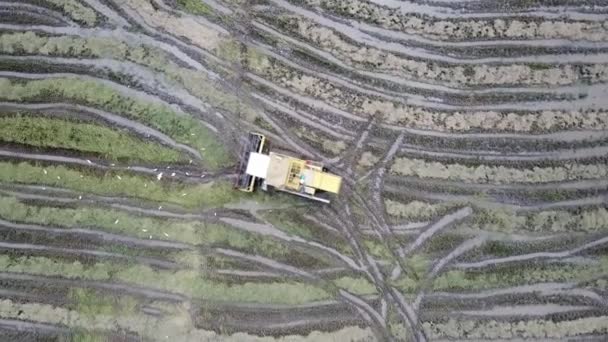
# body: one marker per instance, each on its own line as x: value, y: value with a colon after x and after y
x: 182, y: 128
x: 504, y: 220
x: 590, y: 220
x: 199, y: 32
x: 520, y: 275
x: 189, y: 282
x: 497, y: 174
x: 459, y: 29
x: 414, y: 210
x: 176, y: 323
x: 418, y: 117
x: 195, y: 82
x: 368, y: 58
x: 119, y: 184
x: 119, y: 222
x: 110, y: 144
x: 76, y: 10
x: 538, y: 329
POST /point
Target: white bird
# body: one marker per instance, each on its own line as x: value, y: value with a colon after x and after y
x: 159, y: 176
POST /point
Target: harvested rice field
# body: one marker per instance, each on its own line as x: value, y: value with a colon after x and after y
x: 471, y: 137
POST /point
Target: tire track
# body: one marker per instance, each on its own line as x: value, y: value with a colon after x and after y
x: 269, y: 230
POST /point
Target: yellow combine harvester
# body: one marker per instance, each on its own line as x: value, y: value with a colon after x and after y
x: 284, y: 173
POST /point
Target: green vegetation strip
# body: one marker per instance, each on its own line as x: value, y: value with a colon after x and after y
x: 89, y: 302
x: 182, y: 128
x: 196, y: 83
x: 463, y: 280
x: 194, y: 7
x: 189, y: 282
x: 120, y: 222
x: 358, y: 286
x: 205, y: 195
x: 590, y: 220
x: 57, y: 133
x: 176, y: 322
x: 76, y: 10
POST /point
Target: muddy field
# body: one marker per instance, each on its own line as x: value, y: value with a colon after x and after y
x: 472, y: 137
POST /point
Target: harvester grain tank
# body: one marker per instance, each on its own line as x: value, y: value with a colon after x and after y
x: 272, y: 170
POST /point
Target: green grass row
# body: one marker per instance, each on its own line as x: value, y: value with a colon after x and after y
x: 120, y: 222
x: 183, y: 128
x: 58, y: 133
x: 91, y: 303
x: 208, y: 195
x: 193, y: 232
x: 194, y: 7
x: 189, y: 282
x: 196, y: 83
